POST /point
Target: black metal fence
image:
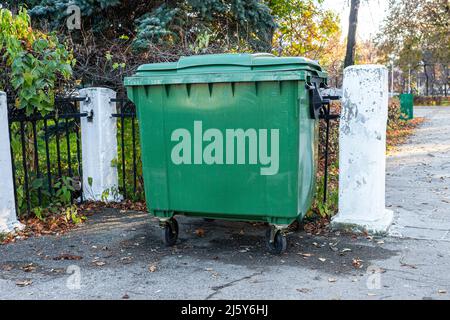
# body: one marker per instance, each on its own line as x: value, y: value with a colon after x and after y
x: 129, y: 151
x: 47, y: 157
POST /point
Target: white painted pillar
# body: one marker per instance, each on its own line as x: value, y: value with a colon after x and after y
x: 362, y: 150
x: 99, y: 145
x: 8, y: 219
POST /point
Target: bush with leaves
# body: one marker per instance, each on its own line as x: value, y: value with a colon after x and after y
x: 32, y: 63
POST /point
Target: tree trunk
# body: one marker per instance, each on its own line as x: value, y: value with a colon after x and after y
x: 351, y: 38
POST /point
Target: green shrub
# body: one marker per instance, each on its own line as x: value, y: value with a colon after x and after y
x: 35, y: 66
x: 32, y: 63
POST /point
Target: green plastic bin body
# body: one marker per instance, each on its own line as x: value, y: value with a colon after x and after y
x: 213, y: 95
x: 407, y: 106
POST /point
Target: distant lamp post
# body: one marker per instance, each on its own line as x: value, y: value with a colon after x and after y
x: 391, y: 58
x: 422, y: 64
x: 418, y: 83
x: 409, y: 78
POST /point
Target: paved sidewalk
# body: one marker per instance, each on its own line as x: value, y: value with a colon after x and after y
x: 121, y: 253
x: 418, y: 179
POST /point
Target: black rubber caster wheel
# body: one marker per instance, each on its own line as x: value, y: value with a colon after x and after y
x: 170, y: 232
x: 279, y: 245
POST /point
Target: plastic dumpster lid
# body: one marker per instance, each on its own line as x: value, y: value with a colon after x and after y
x: 211, y: 63
x: 224, y: 68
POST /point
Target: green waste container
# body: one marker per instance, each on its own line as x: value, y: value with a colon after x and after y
x: 407, y: 106
x: 229, y: 136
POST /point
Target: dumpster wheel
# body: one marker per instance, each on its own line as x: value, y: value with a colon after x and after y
x: 276, y: 240
x: 169, y: 232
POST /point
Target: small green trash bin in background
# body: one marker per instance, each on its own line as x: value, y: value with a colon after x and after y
x: 407, y: 106
x: 229, y: 136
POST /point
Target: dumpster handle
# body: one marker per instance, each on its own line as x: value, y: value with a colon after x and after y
x: 327, y: 116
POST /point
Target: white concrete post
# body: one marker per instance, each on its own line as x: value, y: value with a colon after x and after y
x: 362, y: 150
x: 99, y: 145
x: 8, y: 219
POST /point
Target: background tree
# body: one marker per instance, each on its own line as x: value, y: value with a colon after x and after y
x: 416, y: 32
x: 305, y: 28
x: 333, y: 59
x: 351, y: 38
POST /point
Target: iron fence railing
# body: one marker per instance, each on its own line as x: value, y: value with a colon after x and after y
x: 45, y: 152
x: 129, y: 158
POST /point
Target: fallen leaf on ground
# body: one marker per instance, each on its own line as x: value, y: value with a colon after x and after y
x: 58, y: 270
x: 322, y: 259
x: 318, y: 227
x: 334, y: 249
x: 331, y: 280
x: 152, y: 268
x: 126, y: 259
x: 200, y: 232
x: 66, y: 256
x: 99, y: 263
x: 28, y: 268
x: 305, y: 255
x: 357, y: 263
x: 304, y: 290
x: 24, y: 283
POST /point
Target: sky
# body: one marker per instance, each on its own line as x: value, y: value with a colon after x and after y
x: 371, y: 14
